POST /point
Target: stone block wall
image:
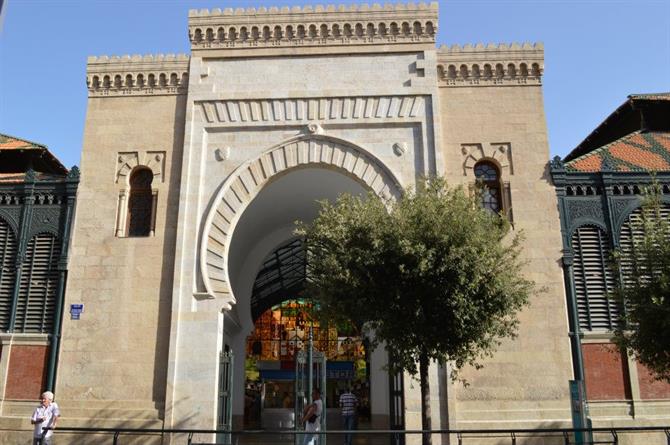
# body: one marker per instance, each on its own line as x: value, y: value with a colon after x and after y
x: 500, y: 118
x: 116, y: 353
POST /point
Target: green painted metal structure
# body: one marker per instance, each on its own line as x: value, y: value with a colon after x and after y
x: 225, y: 414
x: 39, y: 210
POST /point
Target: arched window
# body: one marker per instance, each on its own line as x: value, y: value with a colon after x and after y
x: 488, y: 177
x: 36, y: 306
x: 8, y: 248
x: 593, y: 279
x: 140, y: 203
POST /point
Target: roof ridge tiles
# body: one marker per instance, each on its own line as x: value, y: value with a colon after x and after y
x: 604, y: 151
x: 35, y: 144
x: 601, y: 148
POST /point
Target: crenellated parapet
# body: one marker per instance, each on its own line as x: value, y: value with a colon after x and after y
x: 313, y: 26
x: 137, y: 75
x: 480, y: 65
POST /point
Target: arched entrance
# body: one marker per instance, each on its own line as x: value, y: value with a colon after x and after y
x: 283, y: 316
x: 254, y: 214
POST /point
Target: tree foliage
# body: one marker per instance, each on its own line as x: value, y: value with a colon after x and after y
x: 432, y: 275
x: 645, y: 290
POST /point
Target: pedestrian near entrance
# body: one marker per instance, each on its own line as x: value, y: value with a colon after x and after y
x: 312, y: 418
x: 348, y: 404
x: 45, y: 418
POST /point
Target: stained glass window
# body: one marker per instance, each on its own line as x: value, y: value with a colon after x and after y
x: 489, y: 178
x: 282, y: 330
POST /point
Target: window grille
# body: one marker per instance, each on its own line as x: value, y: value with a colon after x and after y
x: 140, y: 203
x: 39, y: 282
x: 593, y: 279
x: 7, y: 272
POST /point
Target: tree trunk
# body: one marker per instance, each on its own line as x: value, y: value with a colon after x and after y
x: 425, y: 398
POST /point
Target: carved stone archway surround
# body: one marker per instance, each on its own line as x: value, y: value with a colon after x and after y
x: 240, y: 188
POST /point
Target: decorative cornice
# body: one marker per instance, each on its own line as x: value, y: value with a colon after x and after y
x: 137, y: 75
x: 479, y: 65
x: 240, y: 112
x: 313, y: 26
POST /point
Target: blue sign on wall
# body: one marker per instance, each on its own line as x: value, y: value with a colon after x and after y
x: 75, y: 311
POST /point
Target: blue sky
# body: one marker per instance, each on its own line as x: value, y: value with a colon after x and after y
x: 596, y: 53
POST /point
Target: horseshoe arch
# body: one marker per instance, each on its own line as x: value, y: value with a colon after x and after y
x: 244, y: 183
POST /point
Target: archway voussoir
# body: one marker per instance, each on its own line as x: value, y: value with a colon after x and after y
x: 313, y: 152
x: 267, y: 165
x: 222, y: 217
x: 349, y: 162
x: 302, y: 152
x: 227, y: 211
x: 240, y: 191
x: 217, y: 240
x: 378, y: 186
x: 360, y: 166
x: 291, y: 151
x: 338, y: 156
x: 220, y: 288
x: 218, y: 275
x: 279, y: 159
x: 247, y: 181
x: 214, y: 256
x: 326, y: 153
x: 256, y: 172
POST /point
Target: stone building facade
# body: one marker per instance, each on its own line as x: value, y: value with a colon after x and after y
x: 196, y: 167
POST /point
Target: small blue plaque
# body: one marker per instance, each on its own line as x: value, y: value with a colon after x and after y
x: 75, y: 311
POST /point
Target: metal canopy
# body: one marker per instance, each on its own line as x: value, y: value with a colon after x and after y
x: 281, y: 277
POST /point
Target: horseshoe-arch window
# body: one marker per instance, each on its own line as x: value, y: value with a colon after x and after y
x: 495, y: 194
x: 488, y: 176
x: 140, y: 203
x: 594, y: 279
x: 137, y: 205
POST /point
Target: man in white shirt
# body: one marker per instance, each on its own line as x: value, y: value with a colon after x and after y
x: 313, y: 412
x: 348, y: 404
x: 44, y: 418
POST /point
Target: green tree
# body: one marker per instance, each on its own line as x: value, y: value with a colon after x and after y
x: 432, y: 275
x: 645, y: 290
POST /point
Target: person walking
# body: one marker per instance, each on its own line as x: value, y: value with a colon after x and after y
x: 45, y: 418
x: 312, y: 418
x: 348, y: 404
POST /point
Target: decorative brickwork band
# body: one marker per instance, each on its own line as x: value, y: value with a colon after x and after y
x: 244, y: 184
x: 479, y: 65
x: 313, y: 26
x: 137, y: 75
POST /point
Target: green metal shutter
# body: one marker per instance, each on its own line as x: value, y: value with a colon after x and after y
x: 7, y: 272
x: 39, y: 282
x: 632, y: 231
x: 593, y: 279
